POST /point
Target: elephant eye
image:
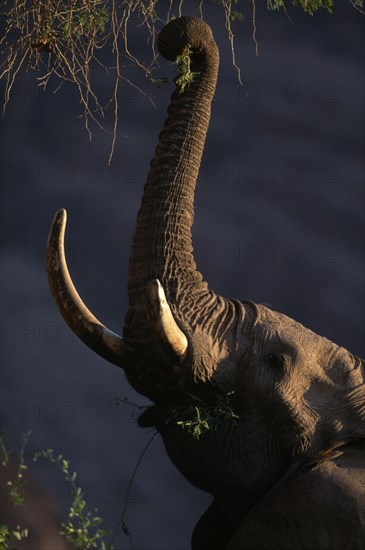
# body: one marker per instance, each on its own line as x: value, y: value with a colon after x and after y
x: 276, y: 360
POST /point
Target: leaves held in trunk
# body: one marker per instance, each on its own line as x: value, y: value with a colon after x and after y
x: 185, y: 75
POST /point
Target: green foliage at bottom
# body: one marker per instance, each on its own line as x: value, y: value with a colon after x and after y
x: 82, y: 527
x: 7, y: 534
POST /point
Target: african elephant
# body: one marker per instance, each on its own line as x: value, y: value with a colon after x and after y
x: 252, y: 406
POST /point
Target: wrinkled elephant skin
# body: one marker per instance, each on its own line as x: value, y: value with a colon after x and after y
x: 253, y: 407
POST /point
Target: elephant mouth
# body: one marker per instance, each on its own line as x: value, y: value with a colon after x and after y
x: 197, y: 414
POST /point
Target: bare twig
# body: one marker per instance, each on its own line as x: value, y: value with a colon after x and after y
x: 254, y: 27
x: 227, y: 5
x: 121, y: 523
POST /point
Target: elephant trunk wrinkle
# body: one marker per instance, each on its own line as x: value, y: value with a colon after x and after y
x: 162, y: 244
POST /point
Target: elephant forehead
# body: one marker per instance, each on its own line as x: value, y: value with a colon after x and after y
x: 276, y: 327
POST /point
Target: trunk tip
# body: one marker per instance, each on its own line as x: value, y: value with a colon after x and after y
x: 182, y: 33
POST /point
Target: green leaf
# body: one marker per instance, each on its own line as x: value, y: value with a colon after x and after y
x: 237, y: 16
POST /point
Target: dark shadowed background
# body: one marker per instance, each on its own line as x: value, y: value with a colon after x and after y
x: 279, y: 220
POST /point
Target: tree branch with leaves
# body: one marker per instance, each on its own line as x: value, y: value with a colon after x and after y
x: 67, y: 42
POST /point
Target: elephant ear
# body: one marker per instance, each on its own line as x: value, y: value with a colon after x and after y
x: 347, y: 373
x: 306, y: 495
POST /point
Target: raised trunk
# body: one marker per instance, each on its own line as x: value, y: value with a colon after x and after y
x: 162, y: 244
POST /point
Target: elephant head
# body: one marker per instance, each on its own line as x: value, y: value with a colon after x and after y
x: 241, y: 392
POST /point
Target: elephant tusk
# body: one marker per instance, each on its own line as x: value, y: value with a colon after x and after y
x: 79, y: 318
x: 162, y: 320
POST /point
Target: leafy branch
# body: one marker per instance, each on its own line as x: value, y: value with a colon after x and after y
x: 17, y: 486
x: 16, y: 491
x: 7, y: 534
x: 68, y: 41
x: 82, y: 528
